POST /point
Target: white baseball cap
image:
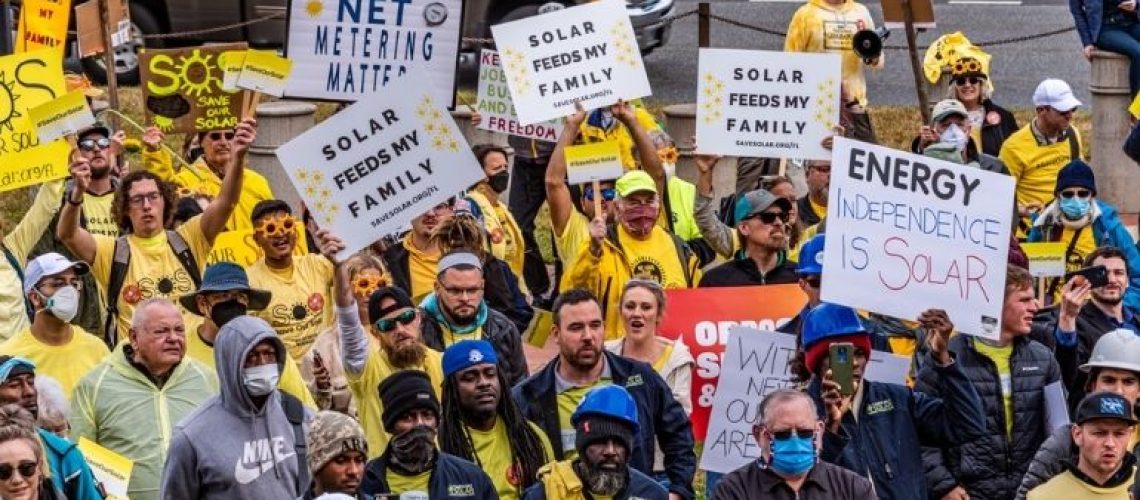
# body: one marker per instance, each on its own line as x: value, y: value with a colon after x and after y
x: 49, y: 264
x: 1056, y: 94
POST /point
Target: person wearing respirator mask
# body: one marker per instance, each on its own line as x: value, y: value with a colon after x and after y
x: 248, y: 413
x: 503, y: 232
x: 60, y: 350
x: 948, y: 138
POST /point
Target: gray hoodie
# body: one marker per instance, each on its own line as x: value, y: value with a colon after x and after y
x: 228, y: 448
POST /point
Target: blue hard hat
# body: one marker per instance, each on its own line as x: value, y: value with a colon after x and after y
x: 830, y: 320
x: 811, y: 256
x: 611, y: 401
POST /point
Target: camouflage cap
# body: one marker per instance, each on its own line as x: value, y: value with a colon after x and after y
x: 330, y: 435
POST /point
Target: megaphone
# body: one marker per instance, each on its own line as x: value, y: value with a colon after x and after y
x: 868, y: 44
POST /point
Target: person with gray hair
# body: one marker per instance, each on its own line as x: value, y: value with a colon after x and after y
x: 53, y: 406
x: 789, y: 432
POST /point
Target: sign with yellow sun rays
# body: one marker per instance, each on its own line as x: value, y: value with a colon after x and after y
x: 368, y: 170
x: 344, y: 50
x: 26, y: 81
x: 584, y: 54
x: 766, y: 104
x: 183, y: 92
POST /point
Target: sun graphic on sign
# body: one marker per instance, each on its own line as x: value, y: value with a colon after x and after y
x: 314, y: 8
x: 8, y: 98
x: 196, y: 74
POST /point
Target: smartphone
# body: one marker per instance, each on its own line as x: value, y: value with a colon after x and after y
x: 842, y: 356
x: 1097, y: 275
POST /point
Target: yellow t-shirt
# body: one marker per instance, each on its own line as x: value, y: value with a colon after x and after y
x: 97, y: 212
x: 200, y: 179
x: 568, y: 402
x: 154, y: 270
x: 1000, y: 356
x: 819, y: 210
x: 1068, y: 487
x: 493, y: 449
x: 659, y: 364
x: 64, y: 363
x: 653, y: 259
x: 573, y: 236
x: 450, y: 337
x: 422, y: 267
x: 1034, y: 167
x: 400, y: 483
x: 365, y: 390
x: 301, y: 306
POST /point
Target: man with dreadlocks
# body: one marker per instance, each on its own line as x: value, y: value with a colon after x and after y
x: 481, y: 425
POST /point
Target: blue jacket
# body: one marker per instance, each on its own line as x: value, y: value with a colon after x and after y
x: 640, y: 486
x: 1087, y: 15
x: 452, y: 477
x: 69, y: 470
x: 661, y: 417
x: 1108, y: 230
x: 894, y: 423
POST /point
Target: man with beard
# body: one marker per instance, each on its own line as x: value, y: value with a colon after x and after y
x: 1104, y: 467
x: 413, y: 261
x: 482, y: 426
x: 411, y: 465
x: 395, y: 322
x: 606, y: 423
x: 813, y: 205
x: 337, y: 452
x: 550, y: 397
x: 762, y: 224
x: 456, y: 311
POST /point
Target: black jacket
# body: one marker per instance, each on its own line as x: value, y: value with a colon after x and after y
x: 807, y: 215
x: 1092, y: 323
x: 451, y: 477
x: 994, y: 134
x: 662, y: 418
x: 992, y: 465
x: 499, y: 331
x: 824, y: 482
x: 742, y: 271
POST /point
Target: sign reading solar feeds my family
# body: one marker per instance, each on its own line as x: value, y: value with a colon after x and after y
x: 767, y: 104
x: 368, y: 170
x: 906, y: 233
x: 584, y: 54
x: 344, y: 50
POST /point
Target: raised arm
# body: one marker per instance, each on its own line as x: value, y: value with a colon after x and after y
x: 218, y: 212
x: 646, y: 150
x: 557, y: 192
x: 351, y: 335
x: 75, y: 238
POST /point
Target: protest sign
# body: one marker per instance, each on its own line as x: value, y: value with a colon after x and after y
x: 1046, y: 259
x: 361, y: 47
x: 702, y: 317
x: 231, y: 63
x: 111, y: 470
x: 26, y: 81
x: 586, y: 54
x: 43, y: 25
x: 494, y: 103
x: 906, y: 233
x: 373, y: 167
x: 89, y: 26
x: 596, y: 161
x: 767, y: 104
x: 263, y: 71
x: 183, y: 92
x: 240, y: 248
x: 888, y: 368
x: 60, y: 117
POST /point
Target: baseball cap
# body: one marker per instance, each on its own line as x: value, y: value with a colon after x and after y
x: 947, y: 108
x: 1056, y: 94
x: 1105, y: 405
x: 634, y: 181
x: 754, y: 202
x: 50, y: 264
x: 96, y: 127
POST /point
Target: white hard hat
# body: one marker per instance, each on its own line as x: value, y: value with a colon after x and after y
x: 1119, y: 349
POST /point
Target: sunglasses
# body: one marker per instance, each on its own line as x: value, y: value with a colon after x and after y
x: 26, y: 468
x: 770, y: 217
x: 608, y: 194
x: 367, y: 282
x: 1079, y: 193
x: 270, y: 227
x: 972, y: 80
x: 386, y: 325
x: 800, y: 433
x: 92, y: 144
x: 1066, y: 114
x: 217, y: 136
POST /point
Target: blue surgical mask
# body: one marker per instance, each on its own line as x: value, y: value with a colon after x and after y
x: 1075, y: 208
x: 793, y: 456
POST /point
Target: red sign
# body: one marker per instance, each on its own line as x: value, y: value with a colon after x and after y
x: 702, y: 318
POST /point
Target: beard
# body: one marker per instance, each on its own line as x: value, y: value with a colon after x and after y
x: 820, y: 194
x: 575, y: 358
x: 101, y: 173
x: 1110, y: 301
x: 602, y: 482
x: 408, y: 356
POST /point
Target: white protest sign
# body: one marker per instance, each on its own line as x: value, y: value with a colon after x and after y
x: 371, y: 168
x: 906, y: 233
x: 887, y: 368
x: 584, y: 54
x: 595, y: 161
x: 767, y: 104
x: 494, y: 103
x: 63, y: 116
x: 347, y: 49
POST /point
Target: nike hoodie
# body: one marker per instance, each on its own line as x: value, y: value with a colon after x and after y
x: 229, y: 448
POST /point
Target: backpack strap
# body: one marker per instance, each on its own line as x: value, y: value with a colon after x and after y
x: 295, y: 414
x: 185, y: 256
x: 1074, y: 145
x: 685, y: 254
x: 120, y: 260
x: 20, y: 274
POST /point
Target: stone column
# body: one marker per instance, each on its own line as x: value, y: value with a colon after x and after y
x: 1116, y: 174
x: 277, y: 123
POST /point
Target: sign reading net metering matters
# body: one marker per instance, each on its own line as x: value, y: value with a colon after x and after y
x: 344, y: 50
x: 494, y: 103
x: 373, y: 167
x: 584, y: 54
x: 767, y: 104
x: 906, y: 233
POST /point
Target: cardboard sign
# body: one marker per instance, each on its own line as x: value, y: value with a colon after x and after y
x: 1046, y: 259
x: 111, y: 470
x: 494, y: 103
x: 265, y: 72
x: 767, y: 104
x: 346, y: 50
x: 584, y: 54
x: 373, y: 167
x: 702, y: 317
x: 240, y: 248
x: 596, y: 161
x: 26, y: 81
x: 43, y: 26
x: 906, y: 233
x: 89, y: 26
x: 182, y: 89
x: 60, y: 117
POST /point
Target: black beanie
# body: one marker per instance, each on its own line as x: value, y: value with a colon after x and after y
x: 403, y: 392
x: 594, y: 427
x: 396, y: 293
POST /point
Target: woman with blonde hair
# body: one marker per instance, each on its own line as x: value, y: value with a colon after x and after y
x: 22, y: 458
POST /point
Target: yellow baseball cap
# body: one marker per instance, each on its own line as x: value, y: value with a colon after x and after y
x: 634, y: 181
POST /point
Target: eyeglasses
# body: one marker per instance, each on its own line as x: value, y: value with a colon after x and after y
x: 217, y: 136
x: 770, y: 217
x: 91, y: 144
x: 367, y: 282
x: 1079, y: 193
x: 462, y: 292
x: 270, y: 227
x: 800, y: 433
x: 60, y: 283
x: 386, y: 325
x: 27, y: 469
x: 138, y: 199
x: 972, y: 80
x: 1066, y: 114
x: 608, y: 194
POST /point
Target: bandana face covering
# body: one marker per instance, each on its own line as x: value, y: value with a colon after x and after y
x: 414, y: 451
x: 640, y: 219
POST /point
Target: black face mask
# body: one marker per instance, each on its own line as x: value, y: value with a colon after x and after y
x: 499, y: 181
x: 414, y: 450
x: 224, y: 311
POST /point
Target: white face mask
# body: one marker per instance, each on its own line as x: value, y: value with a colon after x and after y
x: 260, y: 380
x: 956, y: 136
x: 64, y: 304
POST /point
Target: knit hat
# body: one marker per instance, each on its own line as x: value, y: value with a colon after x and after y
x: 594, y: 427
x: 331, y: 434
x: 467, y: 353
x: 395, y: 293
x: 403, y: 392
x: 1076, y: 174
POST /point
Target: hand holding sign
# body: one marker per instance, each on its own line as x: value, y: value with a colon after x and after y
x: 330, y: 244
x: 938, y: 329
x: 152, y: 139
x: 244, y: 135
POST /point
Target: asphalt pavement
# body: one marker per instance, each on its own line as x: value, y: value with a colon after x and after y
x: 1017, y: 67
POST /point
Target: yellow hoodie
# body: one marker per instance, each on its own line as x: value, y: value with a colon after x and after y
x: 819, y: 26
